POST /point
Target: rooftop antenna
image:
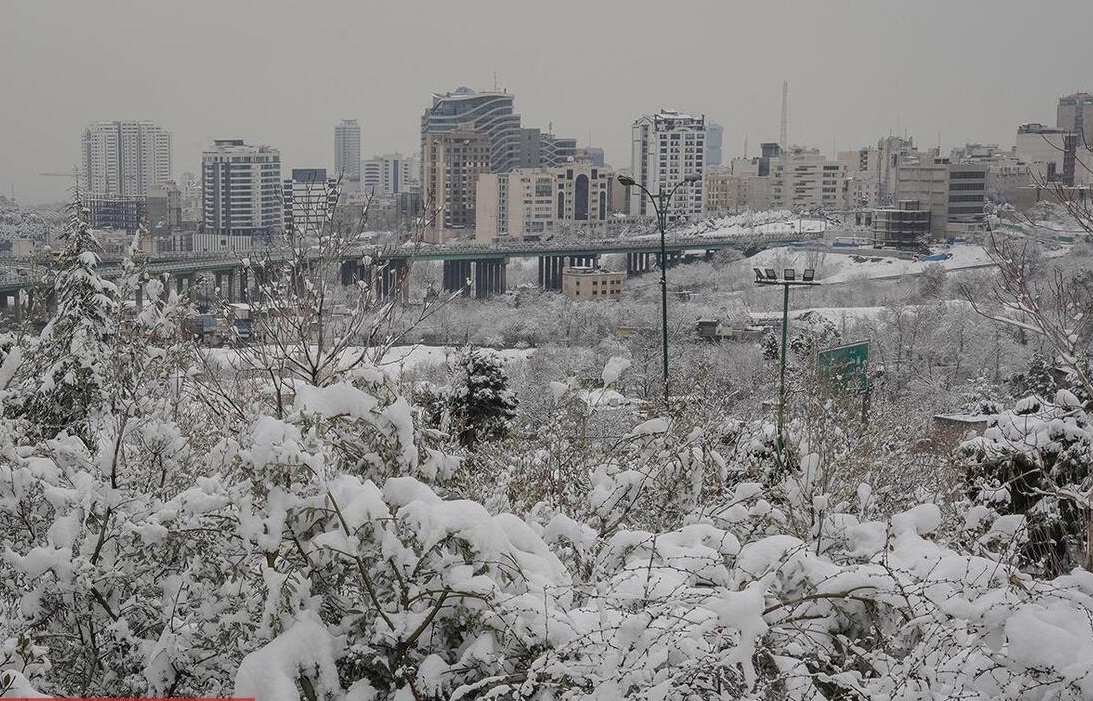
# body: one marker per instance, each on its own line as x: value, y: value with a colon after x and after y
x: 785, y: 111
x: 745, y: 144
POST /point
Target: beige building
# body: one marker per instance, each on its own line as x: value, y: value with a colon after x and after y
x: 732, y: 192
x: 530, y: 202
x: 953, y: 193
x: 803, y: 179
x: 592, y: 284
x: 452, y: 163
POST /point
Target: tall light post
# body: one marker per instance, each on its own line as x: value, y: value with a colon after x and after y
x: 769, y: 276
x: 661, y: 201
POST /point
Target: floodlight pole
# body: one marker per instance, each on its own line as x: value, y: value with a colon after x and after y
x: 661, y: 201
x: 782, y: 374
x: 786, y: 281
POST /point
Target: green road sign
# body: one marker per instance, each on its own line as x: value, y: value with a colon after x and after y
x: 845, y: 366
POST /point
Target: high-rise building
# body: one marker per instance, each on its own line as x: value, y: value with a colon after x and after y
x: 309, y: 198
x: 451, y: 165
x: 667, y: 147
x: 1075, y: 114
x: 241, y: 196
x: 125, y: 158
x: 347, y: 152
x: 715, y: 135
x: 490, y: 114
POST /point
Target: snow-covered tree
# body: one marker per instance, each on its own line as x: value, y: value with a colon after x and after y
x: 61, y: 380
x: 481, y: 405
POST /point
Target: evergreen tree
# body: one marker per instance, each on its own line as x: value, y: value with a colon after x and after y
x: 61, y: 383
x: 481, y: 405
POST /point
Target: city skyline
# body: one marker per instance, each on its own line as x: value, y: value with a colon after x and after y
x: 966, y: 72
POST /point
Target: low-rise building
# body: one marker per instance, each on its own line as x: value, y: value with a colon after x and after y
x: 595, y: 284
x: 905, y: 226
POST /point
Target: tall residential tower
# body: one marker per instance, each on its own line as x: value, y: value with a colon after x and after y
x: 347, y: 152
x: 125, y: 158
x: 241, y: 196
x: 667, y: 147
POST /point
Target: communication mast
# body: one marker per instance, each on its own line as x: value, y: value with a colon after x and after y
x: 785, y: 112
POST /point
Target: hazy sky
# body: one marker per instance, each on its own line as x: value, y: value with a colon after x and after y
x: 283, y: 73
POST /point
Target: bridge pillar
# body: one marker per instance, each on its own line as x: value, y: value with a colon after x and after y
x: 4, y: 301
x: 22, y: 302
x: 232, y: 282
x: 489, y: 277
x: 550, y: 272
x: 390, y: 278
x: 138, y: 295
x: 455, y: 275
x: 637, y: 263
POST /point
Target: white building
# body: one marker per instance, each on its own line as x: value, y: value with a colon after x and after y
x: 126, y: 158
x: 531, y: 202
x: 388, y: 174
x: 309, y: 199
x: 666, y: 147
x: 241, y: 196
x: 347, y: 152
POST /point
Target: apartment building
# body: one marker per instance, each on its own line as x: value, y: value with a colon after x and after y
x: 452, y: 163
x: 347, y: 154
x: 241, y: 196
x: 309, y: 198
x: 805, y: 179
x: 666, y: 147
x: 531, y: 202
x: 125, y: 158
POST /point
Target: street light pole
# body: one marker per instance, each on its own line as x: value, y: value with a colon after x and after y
x: 661, y: 201
x: 769, y: 276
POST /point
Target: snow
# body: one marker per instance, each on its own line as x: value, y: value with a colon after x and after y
x: 614, y: 367
x: 834, y: 266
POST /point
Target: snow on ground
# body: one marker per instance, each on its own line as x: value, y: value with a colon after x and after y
x: 772, y: 222
x: 402, y: 358
x: 842, y: 315
x: 841, y: 265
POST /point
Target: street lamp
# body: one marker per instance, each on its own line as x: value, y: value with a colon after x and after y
x: 769, y: 276
x: 661, y: 201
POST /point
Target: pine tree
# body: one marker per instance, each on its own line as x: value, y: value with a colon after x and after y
x: 481, y: 404
x: 61, y: 384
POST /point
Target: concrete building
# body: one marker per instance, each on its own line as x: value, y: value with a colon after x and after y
x: 953, y: 193
x: 388, y: 174
x: 347, y: 154
x: 309, y: 199
x: 592, y: 284
x: 715, y: 136
x: 452, y: 163
x: 530, y: 202
x: 1075, y: 115
x: 905, y: 226
x: 165, y: 219
x: 116, y: 212
x: 490, y: 114
x: 556, y: 150
x: 241, y: 196
x: 666, y: 147
x: 805, y: 179
x: 125, y: 158
x: 1054, y: 155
